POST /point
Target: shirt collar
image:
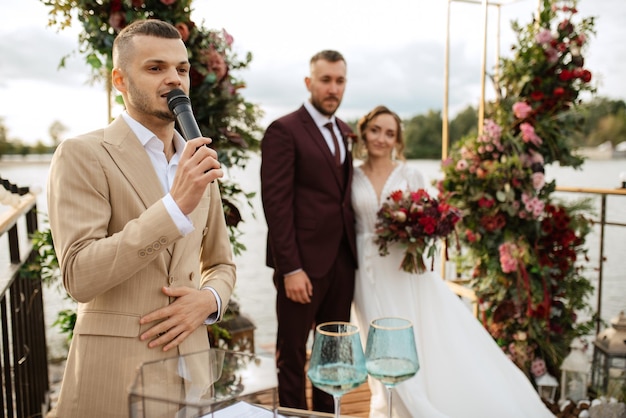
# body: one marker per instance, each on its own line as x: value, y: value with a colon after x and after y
x: 145, y: 135
x: 319, y: 119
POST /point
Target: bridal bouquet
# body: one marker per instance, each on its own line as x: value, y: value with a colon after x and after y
x: 415, y: 220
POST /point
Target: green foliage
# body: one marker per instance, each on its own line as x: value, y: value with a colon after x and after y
x: 526, y: 251
x: 423, y: 136
x: 463, y: 124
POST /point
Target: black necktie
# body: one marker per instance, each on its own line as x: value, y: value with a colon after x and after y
x: 329, y: 126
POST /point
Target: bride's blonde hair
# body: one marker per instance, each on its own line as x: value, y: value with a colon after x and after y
x: 360, y: 150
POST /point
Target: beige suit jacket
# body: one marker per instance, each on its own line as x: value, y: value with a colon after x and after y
x: 117, y: 247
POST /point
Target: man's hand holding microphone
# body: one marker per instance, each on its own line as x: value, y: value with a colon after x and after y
x: 198, y: 165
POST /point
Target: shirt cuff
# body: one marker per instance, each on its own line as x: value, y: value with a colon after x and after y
x: 182, y: 221
x: 212, y: 319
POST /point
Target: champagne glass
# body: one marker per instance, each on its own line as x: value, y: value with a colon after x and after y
x: 337, y: 363
x: 390, y: 353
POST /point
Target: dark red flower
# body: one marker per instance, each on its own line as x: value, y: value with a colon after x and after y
x: 484, y: 202
x: 536, y: 95
x: 565, y: 75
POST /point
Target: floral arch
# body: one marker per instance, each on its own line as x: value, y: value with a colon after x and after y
x: 524, y: 250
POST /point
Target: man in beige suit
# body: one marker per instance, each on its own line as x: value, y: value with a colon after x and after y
x: 139, y: 230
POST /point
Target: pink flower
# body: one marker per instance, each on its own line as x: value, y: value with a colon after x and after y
x: 529, y: 135
x: 461, y: 165
x: 552, y: 55
x: 544, y: 36
x: 521, y: 110
x: 493, y: 130
x: 168, y: 2
x: 539, y: 180
x: 533, y: 205
x: 228, y: 38
x: 508, y: 259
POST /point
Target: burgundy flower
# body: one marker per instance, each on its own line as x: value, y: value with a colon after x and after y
x: 117, y: 20
x: 586, y: 76
x: 565, y: 75
x: 536, y: 95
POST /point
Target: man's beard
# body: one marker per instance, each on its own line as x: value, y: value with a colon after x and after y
x: 319, y: 105
x: 142, y: 103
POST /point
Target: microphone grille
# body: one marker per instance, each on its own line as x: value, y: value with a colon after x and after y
x: 177, y: 97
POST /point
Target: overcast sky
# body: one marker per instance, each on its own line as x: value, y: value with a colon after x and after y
x: 395, y: 52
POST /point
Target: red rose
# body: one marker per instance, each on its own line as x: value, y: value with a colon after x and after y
x: 586, y: 76
x: 565, y: 75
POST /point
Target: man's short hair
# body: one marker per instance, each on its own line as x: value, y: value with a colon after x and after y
x: 327, y: 55
x: 147, y: 27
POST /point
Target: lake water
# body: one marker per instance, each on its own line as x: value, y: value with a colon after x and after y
x: 255, y: 291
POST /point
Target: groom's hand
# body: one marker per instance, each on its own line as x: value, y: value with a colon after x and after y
x: 298, y: 287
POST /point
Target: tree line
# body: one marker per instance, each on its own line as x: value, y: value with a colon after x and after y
x: 602, y: 120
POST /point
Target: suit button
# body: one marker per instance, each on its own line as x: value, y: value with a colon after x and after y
x: 191, y: 276
x: 170, y: 280
x: 142, y: 253
x: 163, y: 240
x: 205, y: 231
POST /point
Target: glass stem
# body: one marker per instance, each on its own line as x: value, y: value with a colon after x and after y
x: 337, y: 406
x: 389, y: 398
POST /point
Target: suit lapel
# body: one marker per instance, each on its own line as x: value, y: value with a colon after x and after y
x: 318, y: 139
x: 132, y: 160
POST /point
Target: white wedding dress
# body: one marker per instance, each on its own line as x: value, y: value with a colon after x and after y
x: 463, y: 373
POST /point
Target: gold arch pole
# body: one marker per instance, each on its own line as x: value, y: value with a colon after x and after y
x: 445, y: 138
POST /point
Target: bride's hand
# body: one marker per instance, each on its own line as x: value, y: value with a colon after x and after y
x: 298, y: 287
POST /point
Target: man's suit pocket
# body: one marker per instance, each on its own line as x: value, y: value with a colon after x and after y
x: 108, y: 323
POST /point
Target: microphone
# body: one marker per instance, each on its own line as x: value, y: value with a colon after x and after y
x: 180, y: 105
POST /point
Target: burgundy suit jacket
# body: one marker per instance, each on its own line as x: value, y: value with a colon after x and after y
x: 307, y: 205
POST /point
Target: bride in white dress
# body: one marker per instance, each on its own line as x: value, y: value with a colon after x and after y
x: 463, y: 373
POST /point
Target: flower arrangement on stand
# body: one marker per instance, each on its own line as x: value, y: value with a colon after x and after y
x: 416, y: 221
x: 525, y: 249
x: 220, y: 110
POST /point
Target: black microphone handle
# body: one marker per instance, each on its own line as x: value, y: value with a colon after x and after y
x: 188, y: 125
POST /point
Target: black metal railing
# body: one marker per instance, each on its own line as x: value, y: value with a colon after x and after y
x: 603, y: 222
x: 23, y: 359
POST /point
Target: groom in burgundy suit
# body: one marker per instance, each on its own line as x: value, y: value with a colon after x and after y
x: 305, y: 186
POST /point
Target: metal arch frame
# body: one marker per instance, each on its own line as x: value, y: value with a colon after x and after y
x: 481, y: 108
